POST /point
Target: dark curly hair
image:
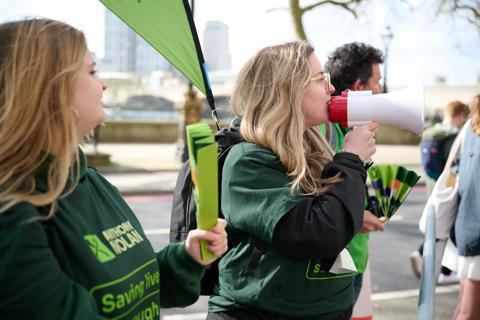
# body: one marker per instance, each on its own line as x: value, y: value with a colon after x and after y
x: 350, y: 62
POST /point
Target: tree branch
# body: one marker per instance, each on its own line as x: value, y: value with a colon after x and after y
x: 454, y: 6
x: 344, y: 4
x: 457, y: 5
x: 297, y: 12
x: 475, y: 11
x: 276, y: 9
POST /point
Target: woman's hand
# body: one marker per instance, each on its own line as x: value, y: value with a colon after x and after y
x: 361, y: 141
x: 217, y: 238
x: 371, y: 223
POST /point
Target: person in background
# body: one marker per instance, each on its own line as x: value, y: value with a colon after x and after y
x: 438, y: 139
x: 435, y: 147
x: 292, y: 201
x: 355, y: 66
x: 466, y: 231
x: 70, y: 247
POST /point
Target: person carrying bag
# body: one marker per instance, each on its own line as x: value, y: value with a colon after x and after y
x: 444, y: 197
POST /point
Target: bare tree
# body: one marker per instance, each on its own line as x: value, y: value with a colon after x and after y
x: 297, y: 12
x: 469, y: 8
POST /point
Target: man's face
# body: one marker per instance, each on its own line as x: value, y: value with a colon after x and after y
x: 373, y: 82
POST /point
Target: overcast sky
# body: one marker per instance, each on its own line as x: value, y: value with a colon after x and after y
x: 423, y: 47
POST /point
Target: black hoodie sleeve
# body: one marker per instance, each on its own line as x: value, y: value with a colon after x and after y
x: 321, y: 227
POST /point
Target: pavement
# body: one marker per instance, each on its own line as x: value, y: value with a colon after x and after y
x: 400, y: 305
x: 152, y: 168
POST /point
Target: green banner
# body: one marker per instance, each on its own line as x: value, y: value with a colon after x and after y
x: 168, y: 27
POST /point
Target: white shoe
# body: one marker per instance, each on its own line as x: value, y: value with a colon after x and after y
x: 416, y: 261
x: 448, y: 279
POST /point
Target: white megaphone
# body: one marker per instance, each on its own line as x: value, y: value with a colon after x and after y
x: 402, y: 108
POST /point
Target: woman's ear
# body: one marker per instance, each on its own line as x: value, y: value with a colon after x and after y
x: 357, y: 85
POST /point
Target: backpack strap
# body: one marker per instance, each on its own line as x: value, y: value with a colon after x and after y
x: 453, y: 155
x: 457, y: 145
x: 228, y: 137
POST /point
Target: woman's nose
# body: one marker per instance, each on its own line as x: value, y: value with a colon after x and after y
x: 331, y: 89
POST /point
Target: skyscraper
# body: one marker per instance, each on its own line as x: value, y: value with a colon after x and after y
x: 216, y: 46
x: 125, y: 51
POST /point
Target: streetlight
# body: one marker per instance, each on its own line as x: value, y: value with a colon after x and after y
x: 387, y: 37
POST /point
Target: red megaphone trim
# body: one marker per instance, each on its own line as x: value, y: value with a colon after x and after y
x: 338, y: 109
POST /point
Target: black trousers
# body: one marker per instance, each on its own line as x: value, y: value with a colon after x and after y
x: 243, y: 314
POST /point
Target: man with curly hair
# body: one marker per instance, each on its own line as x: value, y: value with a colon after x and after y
x: 355, y: 66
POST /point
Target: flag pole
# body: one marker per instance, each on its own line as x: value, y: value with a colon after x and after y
x: 203, y: 67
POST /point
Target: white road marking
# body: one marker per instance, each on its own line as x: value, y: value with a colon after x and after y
x: 375, y: 297
x: 396, y: 218
x: 187, y: 316
x: 411, y: 293
x: 156, y: 232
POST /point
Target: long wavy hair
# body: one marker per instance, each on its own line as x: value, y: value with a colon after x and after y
x: 268, y: 97
x: 38, y: 62
x: 475, y: 112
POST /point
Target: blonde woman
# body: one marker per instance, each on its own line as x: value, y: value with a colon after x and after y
x: 70, y: 247
x: 290, y: 201
x: 466, y: 233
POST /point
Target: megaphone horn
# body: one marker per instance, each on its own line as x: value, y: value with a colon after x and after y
x: 402, y: 108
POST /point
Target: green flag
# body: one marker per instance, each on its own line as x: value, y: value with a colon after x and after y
x: 167, y: 25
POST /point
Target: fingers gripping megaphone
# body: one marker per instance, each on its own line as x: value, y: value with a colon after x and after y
x: 402, y: 108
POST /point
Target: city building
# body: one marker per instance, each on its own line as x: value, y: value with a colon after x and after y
x: 127, y: 52
x: 216, y: 46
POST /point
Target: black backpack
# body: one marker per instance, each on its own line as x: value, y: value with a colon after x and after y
x: 183, y: 217
x: 434, y: 155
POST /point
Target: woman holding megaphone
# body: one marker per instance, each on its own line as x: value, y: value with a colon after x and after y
x: 293, y: 203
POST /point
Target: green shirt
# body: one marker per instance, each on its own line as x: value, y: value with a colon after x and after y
x: 92, y: 260
x: 255, y: 196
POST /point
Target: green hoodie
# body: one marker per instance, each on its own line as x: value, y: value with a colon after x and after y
x: 92, y: 260
x: 255, y: 196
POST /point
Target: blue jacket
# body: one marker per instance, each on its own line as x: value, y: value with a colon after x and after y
x: 467, y: 223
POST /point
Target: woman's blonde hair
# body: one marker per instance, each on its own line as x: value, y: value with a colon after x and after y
x: 38, y: 61
x: 268, y: 97
x: 475, y: 112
